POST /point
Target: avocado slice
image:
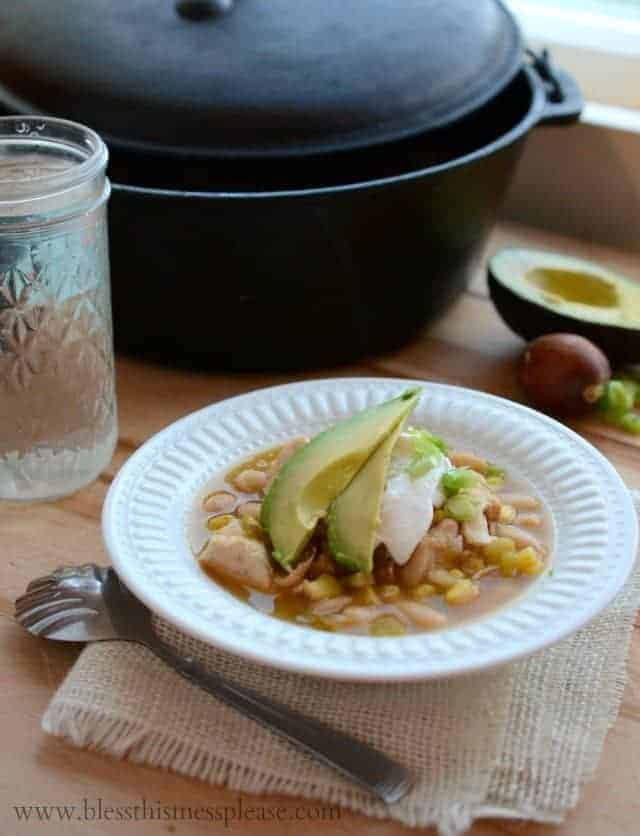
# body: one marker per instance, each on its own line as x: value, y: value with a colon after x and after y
x: 538, y: 292
x: 308, y: 483
x: 354, y: 516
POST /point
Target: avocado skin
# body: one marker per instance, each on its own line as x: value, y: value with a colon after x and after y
x: 529, y: 319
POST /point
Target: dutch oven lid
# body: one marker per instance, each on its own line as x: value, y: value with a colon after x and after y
x: 257, y: 77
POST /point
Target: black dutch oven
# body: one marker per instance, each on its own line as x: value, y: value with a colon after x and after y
x: 294, y: 183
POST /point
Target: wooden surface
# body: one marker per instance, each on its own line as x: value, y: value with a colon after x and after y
x: 470, y: 347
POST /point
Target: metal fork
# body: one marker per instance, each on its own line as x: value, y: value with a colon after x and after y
x: 89, y: 603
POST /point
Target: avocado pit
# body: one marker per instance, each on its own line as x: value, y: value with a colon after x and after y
x: 564, y: 374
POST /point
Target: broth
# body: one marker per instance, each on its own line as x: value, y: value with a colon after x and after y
x: 495, y: 589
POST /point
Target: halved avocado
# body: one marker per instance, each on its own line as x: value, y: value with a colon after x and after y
x: 538, y: 292
x: 354, y: 516
x: 312, y: 478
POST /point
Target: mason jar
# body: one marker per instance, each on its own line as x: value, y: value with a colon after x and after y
x: 58, y: 424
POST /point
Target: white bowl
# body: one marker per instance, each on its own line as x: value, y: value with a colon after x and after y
x: 146, y: 515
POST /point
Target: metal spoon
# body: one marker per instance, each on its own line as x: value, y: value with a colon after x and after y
x: 89, y: 603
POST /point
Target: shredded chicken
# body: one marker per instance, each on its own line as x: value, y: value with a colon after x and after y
x: 442, y: 539
x: 492, y: 510
x: 294, y: 577
x: 476, y: 531
x: 447, y: 534
x: 241, y: 559
x: 283, y: 457
x: 488, y: 570
x: 422, y: 559
x: 521, y: 537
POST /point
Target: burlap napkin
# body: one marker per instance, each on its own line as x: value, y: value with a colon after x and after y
x: 516, y: 742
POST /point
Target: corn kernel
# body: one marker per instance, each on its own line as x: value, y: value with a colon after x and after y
x: 358, y: 580
x: 387, y: 625
x: 252, y: 528
x: 507, y: 514
x: 448, y: 559
x: 389, y: 592
x: 509, y: 565
x: 456, y: 573
x: 442, y: 578
x: 462, y: 592
x: 472, y: 565
x: 528, y: 561
x: 325, y: 586
x: 365, y: 596
x: 322, y: 623
x: 423, y: 590
x: 494, y: 550
x: 216, y: 523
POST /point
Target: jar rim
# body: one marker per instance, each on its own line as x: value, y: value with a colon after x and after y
x: 58, y: 135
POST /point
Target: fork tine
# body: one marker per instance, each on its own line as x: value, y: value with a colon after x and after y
x: 30, y: 618
x: 60, y: 623
x: 39, y: 596
x: 42, y: 583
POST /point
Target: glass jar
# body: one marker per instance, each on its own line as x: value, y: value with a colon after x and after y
x: 58, y: 425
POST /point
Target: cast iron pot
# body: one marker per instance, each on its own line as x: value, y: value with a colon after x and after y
x: 295, y: 183
x: 376, y: 246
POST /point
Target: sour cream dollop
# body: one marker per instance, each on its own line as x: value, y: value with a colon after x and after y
x: 406, y: 512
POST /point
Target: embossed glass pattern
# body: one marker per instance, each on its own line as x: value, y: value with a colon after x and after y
x: 57, y: 401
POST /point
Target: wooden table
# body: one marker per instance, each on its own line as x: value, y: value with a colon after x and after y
x: 35, y: 769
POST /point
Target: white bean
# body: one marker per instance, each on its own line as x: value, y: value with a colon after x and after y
x: 250, y: 481
x: 422, y: 615
x: 329, y: 606
x: 464, y: 459
x: 219, y: 502
x: 520, y: 501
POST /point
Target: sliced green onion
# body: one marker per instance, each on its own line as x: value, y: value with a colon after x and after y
x: 633, y: 386
x: 428, y: 450
x: 618, y: 398
x: 458, y: 479
x: 495, y: 476
x: 631, y: 423
x: 424, y: 436
x: 461, y: 507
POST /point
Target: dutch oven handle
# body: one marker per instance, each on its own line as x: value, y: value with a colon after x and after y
x: 564, y: 99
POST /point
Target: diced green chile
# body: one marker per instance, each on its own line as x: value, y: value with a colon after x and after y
x: 461, y: 507
x: 428, y: 450
x: 458, y: 479
x: 618, y: 398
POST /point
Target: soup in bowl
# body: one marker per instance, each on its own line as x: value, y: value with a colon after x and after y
x: 376, y: 526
